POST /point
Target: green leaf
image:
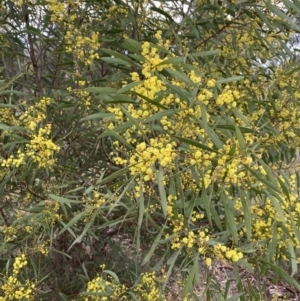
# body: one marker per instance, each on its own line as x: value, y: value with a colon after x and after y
x: 162, y: 191
x: 71, y: 223
x: 248, y: 267
x: 87, y: 227
x: 206, y: 203
x: 247, y: 214
x: 183, y: 94
x: 133, y: 45
x: 272, y: 248
x: 261, y: 179
x: 128, y: 87
x: 178, y: 183
x: 118, y: 55
x: 295, y: 231
x: 270, y: 174
x: 63, y: 200
x: 6, y: 105
x: 229, y: 79
x: 205, y: 53
x: 113, y: 60
x: 98, y: 116
x: 116, y: 175
x: 111, y: 273
x: 241, y: 140
x: 290, y: 4
x: 102, y: 90
x: 276, y: 205
x: 114, y: 134
x: 233, y: 127
x: 171, y: 263
x: 141, y: 204
x: 214, y: 137
x: 283, y: 187
x: 172, y: 61
x: 230, y: 218
x: 204, y: 117
x: 195, y: 143
x: 263, y: 18
x: 215, y: 215
x: 159, y: 115
x: 238, y: 282
x: 153, y: 246
x: 293, y: 258
x: 193, y: 273
x: 155, y: 103
x: 8, y: 127
x: 180, y: 76
x: 281, y: 14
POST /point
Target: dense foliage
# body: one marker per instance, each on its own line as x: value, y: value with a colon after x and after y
x: 143, y: 141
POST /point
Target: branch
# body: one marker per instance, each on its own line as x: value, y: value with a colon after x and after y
x: 217, y: 32
x: 31, y: 49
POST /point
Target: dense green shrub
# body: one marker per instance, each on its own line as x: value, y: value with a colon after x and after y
x: 140, y: 141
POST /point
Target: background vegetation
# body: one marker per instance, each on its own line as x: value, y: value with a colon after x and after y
x: 143, y: 143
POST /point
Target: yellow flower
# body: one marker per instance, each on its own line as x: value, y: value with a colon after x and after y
x: 208, y: 262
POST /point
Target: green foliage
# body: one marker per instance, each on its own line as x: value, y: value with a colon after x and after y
x: 142, y: 143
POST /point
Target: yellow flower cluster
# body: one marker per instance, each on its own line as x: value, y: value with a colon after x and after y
x: 149, y: 88
x: 35, y: 114
x: 41, y: 149
x: 228, y: 97
x: 14, y: 289
x: 7, y: 116
x: 83, y: 47
x: 153, y: 60
x: 58, y: 10
x: 12, y: 161
x: 265, y: 218
x: 51, y: 214
x: 100, y: 285
x: 41, y: 248
x: 19, y: 263
x: 285, y: 116
x: 148, y: 155
x: 92, y: 204
x: 205, y: 95
x: 226, y: 253
x: 114, y: 10
x: 146, y: 289
x: 208, y: 261
x: 182, y: 236
x: 81, y: 42
x: 9, y: 233
x: 81, y: 94
x: 230, y: 169
x: 195, y: 78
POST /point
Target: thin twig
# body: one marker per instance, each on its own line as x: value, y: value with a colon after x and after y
x: 31, y: 50
x: 218, y: 31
